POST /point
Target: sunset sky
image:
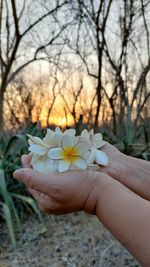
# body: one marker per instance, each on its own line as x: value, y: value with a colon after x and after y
x: 58, y: 71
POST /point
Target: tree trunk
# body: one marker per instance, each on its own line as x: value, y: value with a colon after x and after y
x: 97, y: 111
x: 1, y: 110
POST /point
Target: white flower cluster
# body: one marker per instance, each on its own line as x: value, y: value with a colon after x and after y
x: 60, y: 151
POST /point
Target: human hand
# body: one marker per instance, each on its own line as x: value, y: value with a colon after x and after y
x: 118, y: 208
x: 132, y: 172
x: 116, y: 164
x: 60, y: 193
x: 26, y: 161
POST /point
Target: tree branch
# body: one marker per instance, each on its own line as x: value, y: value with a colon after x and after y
x: 41, y: 18
x: 13, y: 3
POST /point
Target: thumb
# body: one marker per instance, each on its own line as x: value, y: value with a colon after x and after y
x: 26, y: 161
x: 34, y: 179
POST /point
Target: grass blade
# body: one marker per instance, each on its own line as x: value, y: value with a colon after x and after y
x: 9, y: 223
x: 3, y: 187
x: 15, y: 214
x: 31, y: 202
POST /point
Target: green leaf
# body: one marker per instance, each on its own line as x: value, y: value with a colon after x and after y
x: 19, y: 138
x: 3, y: 187
x: 15, y: 214
x: 9, y: 223
x: 31, y: 202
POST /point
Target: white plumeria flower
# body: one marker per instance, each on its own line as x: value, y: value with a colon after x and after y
x: 60, y: 151
x: 70, y: 154
x: 52, y: 139
x: 95, y: 141
x: 39, y: 149
x: 70, y: 131
x: 35, y: 143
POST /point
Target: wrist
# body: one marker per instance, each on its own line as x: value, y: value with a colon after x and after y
x: 137, y: 176
x: 133, y: 173
x: 98, y: 183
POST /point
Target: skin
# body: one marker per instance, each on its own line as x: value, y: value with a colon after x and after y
x: 109, y: 194
x: 132, y: 172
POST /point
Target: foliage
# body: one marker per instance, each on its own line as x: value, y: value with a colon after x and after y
x: 131, y: 139
x: 14, y: 199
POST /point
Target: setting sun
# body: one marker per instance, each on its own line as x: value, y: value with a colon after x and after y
x: 62, y: 120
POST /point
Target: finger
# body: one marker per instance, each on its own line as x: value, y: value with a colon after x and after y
x: 37, y: 195
x: 45, y: 203
x: 26, y: 161
x: 110, y: 150
x: 39, y: 181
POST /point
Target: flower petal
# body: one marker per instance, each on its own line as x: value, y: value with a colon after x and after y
x: 63, y: 165
x: 102, y: 144
x: 48, y: 139
x: 35, y: 140
x: 37, y: 149
x: 57, y: 138
x: 86, y: 155
x: 82, y: 147
x: 55, y: 153
x: 91, y: 156
x: 51, y: 165
x: 58, y: 131
x: 43, y: 164
x: 80, y: 164
x: 97, y: 140
x: 101, y: 158
x: 38, y: 166
x: 67, y: 141
x: 85, y: 134
x: 91, y: 132
x: 38, y: 163
x: 70, y: 132
x: 30, y: 142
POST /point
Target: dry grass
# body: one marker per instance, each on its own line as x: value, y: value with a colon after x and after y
x: 75, y: 240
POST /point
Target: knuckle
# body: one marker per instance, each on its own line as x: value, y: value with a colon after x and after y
x: 29, y: 179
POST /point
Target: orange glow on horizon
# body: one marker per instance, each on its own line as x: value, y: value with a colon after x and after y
x: 58, y: 120
x: 62, y: 120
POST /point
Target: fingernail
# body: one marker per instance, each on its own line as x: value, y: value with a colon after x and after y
x: 18, y: 174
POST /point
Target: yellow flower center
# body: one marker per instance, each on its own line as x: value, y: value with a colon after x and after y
x: 70, y: 154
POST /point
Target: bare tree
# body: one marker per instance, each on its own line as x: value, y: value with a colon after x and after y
x: 93, y: 15
x: 125, y: 93
x: 13, y: 33
x: 108, y: 40
x: 114, y: 55
x: 74, y: 93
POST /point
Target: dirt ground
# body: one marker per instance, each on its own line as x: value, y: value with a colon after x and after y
x: 74, y: 240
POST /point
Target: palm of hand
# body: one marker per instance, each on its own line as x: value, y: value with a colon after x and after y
x: 65, y: 192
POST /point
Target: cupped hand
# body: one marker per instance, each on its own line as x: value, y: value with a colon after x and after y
x: 67, y: 192
x: 60, y: 193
